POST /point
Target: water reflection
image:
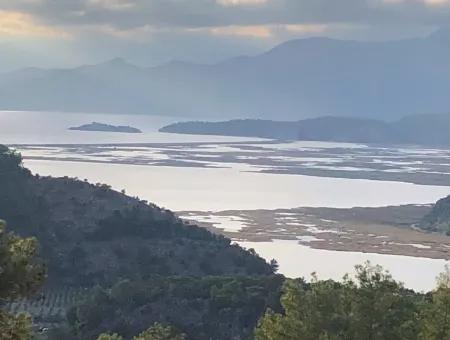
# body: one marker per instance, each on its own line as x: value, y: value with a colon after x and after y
x: 296, y: 260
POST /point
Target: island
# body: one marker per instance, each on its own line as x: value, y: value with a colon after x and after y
x: 100, y: 127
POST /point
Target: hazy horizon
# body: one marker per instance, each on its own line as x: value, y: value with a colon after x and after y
x: 210, y: 61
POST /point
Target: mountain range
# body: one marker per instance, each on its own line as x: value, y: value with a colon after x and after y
x: 298, y: 79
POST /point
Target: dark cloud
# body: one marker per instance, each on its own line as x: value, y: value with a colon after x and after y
x: 126, y: 14
x: 156, y: 31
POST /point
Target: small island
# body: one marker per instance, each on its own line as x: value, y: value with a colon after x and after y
x: 100, y: 127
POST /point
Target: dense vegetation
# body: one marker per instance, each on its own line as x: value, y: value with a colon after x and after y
x: 93, y: 236
x: 372, y: 306
x: 203, y: 308
x: 419, y: 129
x: 20, y: 275
x: 136, y: 271
x: 156, y: 332
x: 90, y: 234
x: 438, y: 219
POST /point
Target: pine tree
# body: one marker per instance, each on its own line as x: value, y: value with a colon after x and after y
x: 436, y: 315
x: 20, y: 275
x: 160, y: 332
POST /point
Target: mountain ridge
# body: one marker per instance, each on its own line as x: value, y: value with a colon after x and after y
x: 429, y: 130
x: 296, y: 79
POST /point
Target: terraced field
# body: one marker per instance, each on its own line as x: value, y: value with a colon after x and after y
x: 47, y: 308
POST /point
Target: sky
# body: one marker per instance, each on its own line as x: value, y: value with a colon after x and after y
x: 66, y: 33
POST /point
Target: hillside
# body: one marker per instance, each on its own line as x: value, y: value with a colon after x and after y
x: 204, y: 308
x: 324, y: 128
x: 90, y: 234
x: 430, y: 130
x: 126, y: 264
x: 438, y: 219
x: 305, y: 78
x: 121, y: 264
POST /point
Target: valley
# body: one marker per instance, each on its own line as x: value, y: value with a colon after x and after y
x: 255, y: 191
x: 224, y: 170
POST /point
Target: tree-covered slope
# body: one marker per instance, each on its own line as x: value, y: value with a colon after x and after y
x: 90, y: 234
x: 203, y: 308
x: 430, y: 129
x: 438, y: 219
x: 21, y: 274
x: 339, y: 129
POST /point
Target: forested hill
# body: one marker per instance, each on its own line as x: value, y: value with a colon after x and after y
x: 90, y: 234
x: 129, y: 263
x: 430, y: 130
x: 438, y: 219
x: 151, y: 274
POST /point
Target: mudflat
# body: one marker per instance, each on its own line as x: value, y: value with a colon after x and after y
x: 384, y: 230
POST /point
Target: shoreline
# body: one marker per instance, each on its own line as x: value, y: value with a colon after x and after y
x: 376, y: 163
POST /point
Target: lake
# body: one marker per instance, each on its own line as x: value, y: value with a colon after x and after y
x: 301, y: 261
x: 214, y: 189
x: 209, y: 173
x: 18, y: 127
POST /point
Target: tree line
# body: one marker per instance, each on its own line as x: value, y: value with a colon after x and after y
x: 371, y: 305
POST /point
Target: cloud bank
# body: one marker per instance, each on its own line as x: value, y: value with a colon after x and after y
x: 213, y: 28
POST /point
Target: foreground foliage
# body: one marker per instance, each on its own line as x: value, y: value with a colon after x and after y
x: 372, y: 306
x: 150, y: 267
x: 436, y: 315
x: 20, y: 275
x: 160, y: 332
x: 156, y: 332
x: 203, y: 308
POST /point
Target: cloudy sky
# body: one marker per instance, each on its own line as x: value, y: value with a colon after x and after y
x: 148, y: 32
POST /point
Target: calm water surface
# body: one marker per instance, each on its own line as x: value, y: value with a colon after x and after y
x: 231, y: 188
x: 297, y: 260
x: 18, y: 127
x: 210, y: 189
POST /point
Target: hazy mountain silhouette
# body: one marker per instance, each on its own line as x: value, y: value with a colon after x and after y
x: 297, y: 79
x: 429, y: 130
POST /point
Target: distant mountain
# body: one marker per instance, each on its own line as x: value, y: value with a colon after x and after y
x: 431, y: 130
x: 423, y: 129
x: 297, y: 79
x: 339, y: 129
x: 100, y: 127
x: 13, y: 57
